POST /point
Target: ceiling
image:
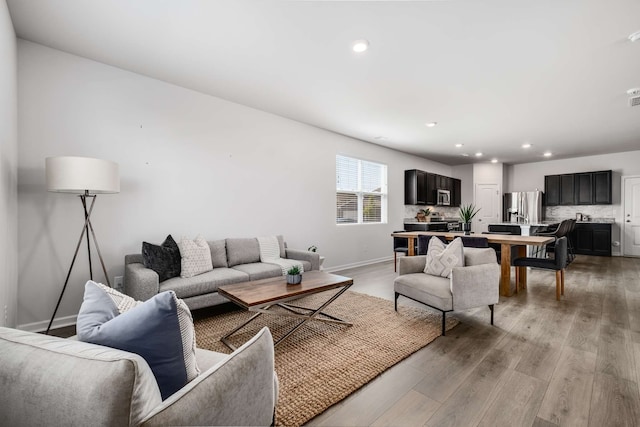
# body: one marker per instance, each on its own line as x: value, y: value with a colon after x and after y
x: 493, y: 74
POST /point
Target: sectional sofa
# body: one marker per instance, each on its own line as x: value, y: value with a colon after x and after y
x: 234, y: 261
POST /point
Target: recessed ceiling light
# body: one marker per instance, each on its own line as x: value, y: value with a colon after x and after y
x: 459, y: 145
x: 465, y: 155
x: 380, y: 138
x: 494, y: 160
x: 547, y: 154
x: 478, y: 154
x: 432, y: 124
x: 635, y: 36
x: 527, y: 145
x: 360, y: 46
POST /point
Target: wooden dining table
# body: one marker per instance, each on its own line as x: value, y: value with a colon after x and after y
x: 506, y: 241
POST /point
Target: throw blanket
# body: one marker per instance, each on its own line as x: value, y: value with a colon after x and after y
x: 270, y: 253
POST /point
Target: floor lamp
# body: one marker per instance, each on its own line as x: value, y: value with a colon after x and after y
x: 87, y: 178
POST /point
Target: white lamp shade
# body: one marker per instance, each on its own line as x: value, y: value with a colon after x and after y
x: 80, y: 174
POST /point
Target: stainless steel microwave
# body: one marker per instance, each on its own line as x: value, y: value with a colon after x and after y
x: 444, y: 197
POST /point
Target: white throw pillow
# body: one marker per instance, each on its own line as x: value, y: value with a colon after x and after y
x: 442, y: 258
x: 196, y: 257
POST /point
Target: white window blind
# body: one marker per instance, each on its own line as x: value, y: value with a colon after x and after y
x: 361, y: 191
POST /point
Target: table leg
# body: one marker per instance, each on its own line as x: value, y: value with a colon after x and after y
x: 522, y: 273
x: 505, y: 270
x: 412, y: 243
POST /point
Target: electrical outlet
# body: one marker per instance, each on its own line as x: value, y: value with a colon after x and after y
x: 117, y: 283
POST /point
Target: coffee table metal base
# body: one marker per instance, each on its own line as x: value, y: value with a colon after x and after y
x: 291, y: 311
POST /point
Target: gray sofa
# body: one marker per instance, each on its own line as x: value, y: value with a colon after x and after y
x: 52, y: 381
x: 234, y: 261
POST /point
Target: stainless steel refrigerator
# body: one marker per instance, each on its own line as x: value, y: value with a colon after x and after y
x: 523, y: 207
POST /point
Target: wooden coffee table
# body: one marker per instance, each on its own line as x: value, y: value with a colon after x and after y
x: 261, y: 295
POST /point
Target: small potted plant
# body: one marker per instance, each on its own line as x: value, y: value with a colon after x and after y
x: 294, y: 277
x: 423, y: 215
x: 467, y: 212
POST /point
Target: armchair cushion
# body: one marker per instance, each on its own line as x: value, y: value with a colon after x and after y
x: 442, y: 258
x: 432, y: 290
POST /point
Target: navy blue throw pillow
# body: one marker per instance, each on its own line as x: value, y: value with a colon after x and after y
x: 164, y: 259
x: 151, y: 329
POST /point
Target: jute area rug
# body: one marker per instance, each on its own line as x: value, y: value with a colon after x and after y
x: 322, y: 363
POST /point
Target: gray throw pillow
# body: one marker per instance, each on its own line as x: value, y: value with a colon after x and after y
x: 164, y: 259
x: 442, y: 258
x: 152, y: 329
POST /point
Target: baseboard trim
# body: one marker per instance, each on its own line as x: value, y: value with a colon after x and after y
x: 41, y: 326
x: 357, y: 264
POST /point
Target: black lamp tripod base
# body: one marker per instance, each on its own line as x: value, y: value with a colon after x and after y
x: 88, y: 227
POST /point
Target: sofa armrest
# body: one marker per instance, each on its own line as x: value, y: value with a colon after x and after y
x: 140, y: 283
x: 300, y: 255
x: 240, y: 390
x: 411, y: 264
x: 475, y: 285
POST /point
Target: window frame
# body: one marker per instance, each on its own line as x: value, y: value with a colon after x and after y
x: 361, y: 194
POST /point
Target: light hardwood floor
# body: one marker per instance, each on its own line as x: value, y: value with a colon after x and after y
x: 544, y: 363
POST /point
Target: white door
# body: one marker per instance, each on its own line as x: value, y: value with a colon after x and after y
x: 489, y: 201
x: 631, y: 224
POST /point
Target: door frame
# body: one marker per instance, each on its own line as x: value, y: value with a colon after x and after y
x: 622, y: 207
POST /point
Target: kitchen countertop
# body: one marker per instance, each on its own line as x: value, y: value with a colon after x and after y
x: 526, y: 224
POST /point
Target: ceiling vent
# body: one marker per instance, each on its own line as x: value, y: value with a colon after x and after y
x: 634, y: 101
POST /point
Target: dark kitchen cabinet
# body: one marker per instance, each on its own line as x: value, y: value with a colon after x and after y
x: 420, y: 188
x: 591, y: 239
x: 443, y: 182
x: 415, y: 187
x: 602, y: 188
x: 567, y: 187
x: 431, y: 196
x: 552, y: 190
x: 584, y: 188
x: 456, y: 193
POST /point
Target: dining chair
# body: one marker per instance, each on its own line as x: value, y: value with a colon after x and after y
x: 563, y: 229
x: 423, y: 243
x: 475, y: 242
x: 559, y: 264
x: 400, y: 245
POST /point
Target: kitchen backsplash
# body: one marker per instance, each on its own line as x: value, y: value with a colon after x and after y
x: 410, y: 211
x: 554, y: 213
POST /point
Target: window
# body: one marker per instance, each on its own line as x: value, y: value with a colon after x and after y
x: 361, y: 191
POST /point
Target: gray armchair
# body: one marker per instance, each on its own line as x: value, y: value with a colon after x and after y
x: 53, y: 381
x: 474, y: 285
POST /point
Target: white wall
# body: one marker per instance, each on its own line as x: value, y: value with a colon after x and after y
x: 189, y: 164
x: 8, y: 170
x: 529, y: 176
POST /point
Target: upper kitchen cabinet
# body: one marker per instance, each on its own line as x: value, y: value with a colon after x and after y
x: 567, y: 188
x: 602, y: 188
x: 552, y: 190
x: 431, y: 196
x: 415, y: 187
x: 585, y: 188
x: 559, y: 190
x: 420, y: 188
x: 456, y: 193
